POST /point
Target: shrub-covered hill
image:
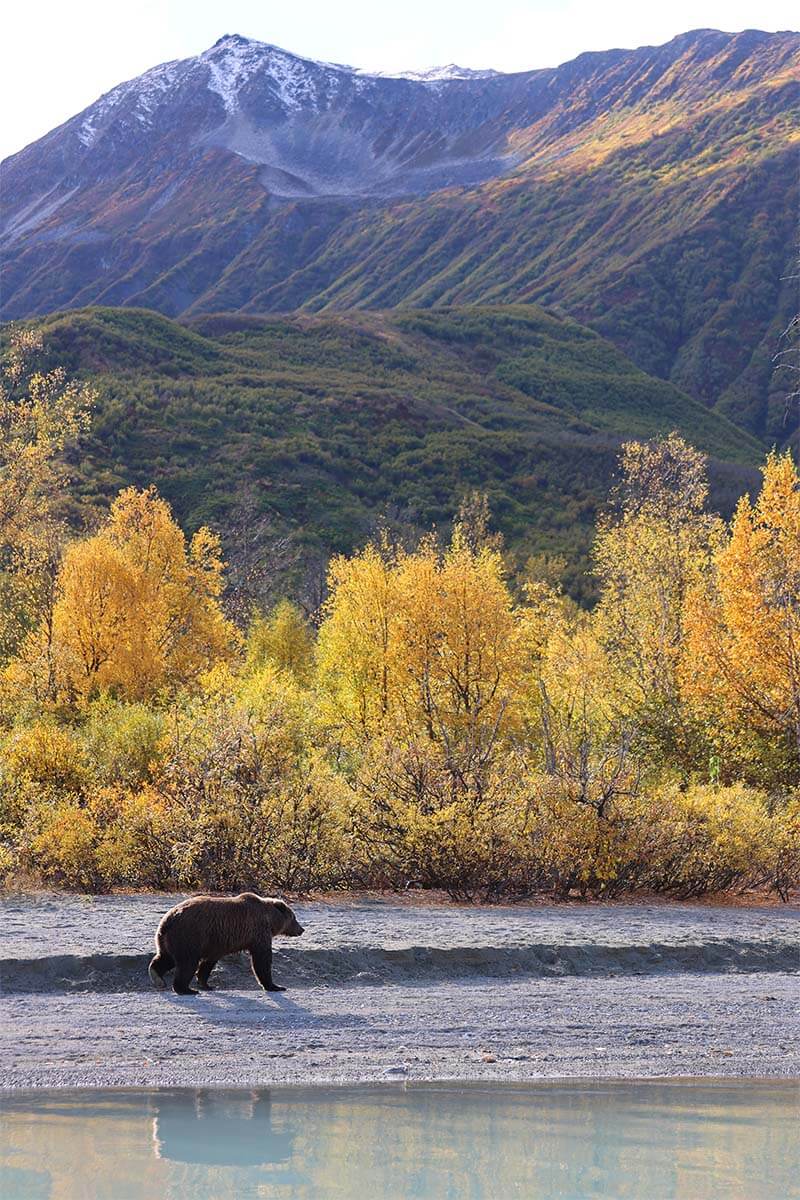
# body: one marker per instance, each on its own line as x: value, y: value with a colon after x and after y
x: 332, y: 420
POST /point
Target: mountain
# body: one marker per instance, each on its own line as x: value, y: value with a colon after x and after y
x: 650, y: 193
x: 324, y: 421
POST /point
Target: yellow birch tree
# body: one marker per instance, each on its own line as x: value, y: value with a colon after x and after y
x: 742, y: 667
x: 41, y: 413
x: 655, y: 547
x: 421, y: 644
x: 137, y: 610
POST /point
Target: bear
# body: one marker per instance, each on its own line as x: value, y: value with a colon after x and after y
x: 193, y: 935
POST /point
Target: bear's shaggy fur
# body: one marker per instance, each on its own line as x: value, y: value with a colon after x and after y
x: 195, y: 934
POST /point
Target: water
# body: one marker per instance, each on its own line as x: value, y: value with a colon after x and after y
x: 700, y: 1140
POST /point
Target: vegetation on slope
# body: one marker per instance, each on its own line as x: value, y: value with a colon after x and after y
x: 328, y: 422
x: 438, y: 728
x: 686, y: 266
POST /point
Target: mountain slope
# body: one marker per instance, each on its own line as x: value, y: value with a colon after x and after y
x: 651, y: 193
x: 330, y: 420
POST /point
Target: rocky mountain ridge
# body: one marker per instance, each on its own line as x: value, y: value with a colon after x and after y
x: 651, y: 193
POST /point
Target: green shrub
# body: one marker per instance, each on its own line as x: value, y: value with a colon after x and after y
x: 123, y: 741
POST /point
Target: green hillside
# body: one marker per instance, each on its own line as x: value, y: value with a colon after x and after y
x: 331, y: 420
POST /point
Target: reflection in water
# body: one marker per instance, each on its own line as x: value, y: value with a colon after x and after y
x: 698, y: 1139
x: 217, y: 1127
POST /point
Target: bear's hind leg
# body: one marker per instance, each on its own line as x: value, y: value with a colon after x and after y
x: 203, y: 971
x: 159, y: 965
x: 184, y: 974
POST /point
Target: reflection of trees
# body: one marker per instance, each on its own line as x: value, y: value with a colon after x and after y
x: 217, y: 1127
x: 603, y: 1138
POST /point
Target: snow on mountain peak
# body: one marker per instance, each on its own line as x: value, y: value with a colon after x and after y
x: 437, y: 74
x: 229, y: 65
x: 231, y: 62
x: 148, y: 90
x: 234, y: 59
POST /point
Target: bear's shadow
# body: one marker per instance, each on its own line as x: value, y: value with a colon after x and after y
x: 223, y: 1007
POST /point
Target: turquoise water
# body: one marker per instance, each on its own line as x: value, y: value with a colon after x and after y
x: 688, y: 1140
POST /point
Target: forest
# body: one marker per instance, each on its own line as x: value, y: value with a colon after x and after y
x: 445, y: 717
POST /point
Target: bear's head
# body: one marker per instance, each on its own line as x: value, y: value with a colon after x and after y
x: 282, y: 920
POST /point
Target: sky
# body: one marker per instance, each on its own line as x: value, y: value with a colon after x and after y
x: 56, y: 58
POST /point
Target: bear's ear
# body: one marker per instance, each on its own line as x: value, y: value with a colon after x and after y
x: 278, y: 913
x: 283, y: 916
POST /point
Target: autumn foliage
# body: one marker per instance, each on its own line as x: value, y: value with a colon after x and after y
x: 743, y: 634
x: 446, y: 720
x: 137, y: 609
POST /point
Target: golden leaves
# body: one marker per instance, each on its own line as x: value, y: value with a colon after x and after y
x: 136, y: 612
x: 743, y: 622
x: 424, y: 641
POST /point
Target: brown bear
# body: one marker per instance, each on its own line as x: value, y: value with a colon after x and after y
x: 195, y: 934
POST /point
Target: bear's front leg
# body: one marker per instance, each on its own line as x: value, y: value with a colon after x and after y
x: 261, y: 959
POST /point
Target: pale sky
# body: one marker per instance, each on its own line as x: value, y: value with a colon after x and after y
x: 57, y: 57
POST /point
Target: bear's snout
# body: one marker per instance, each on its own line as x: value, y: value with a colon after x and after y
x: 295, y: 929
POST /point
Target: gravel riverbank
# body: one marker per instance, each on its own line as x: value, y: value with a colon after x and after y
x: 380, y: 990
